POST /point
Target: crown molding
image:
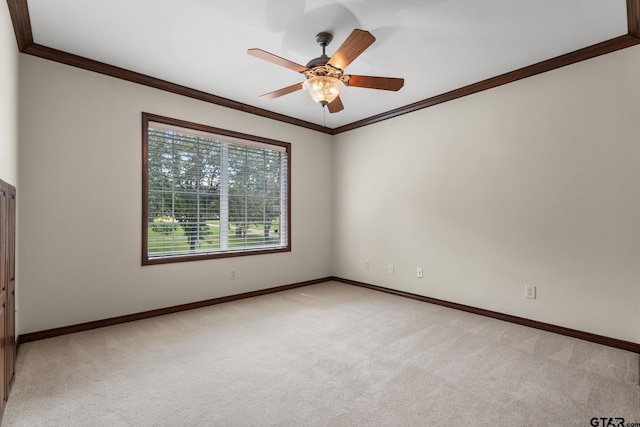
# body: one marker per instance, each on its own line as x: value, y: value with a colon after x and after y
x: 593, y: 51
x: 633, y: 17
x: 132, y: 76
x: 19, y: 12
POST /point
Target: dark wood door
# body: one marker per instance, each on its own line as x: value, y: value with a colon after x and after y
x: 11, y: 289
x: 4, y: 264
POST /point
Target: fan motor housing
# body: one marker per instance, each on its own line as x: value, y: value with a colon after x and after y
x: 323, y: 39
x: 326, y: 70
x: 318, y: 62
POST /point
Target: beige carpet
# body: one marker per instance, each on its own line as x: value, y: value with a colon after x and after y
x: 326, y: 355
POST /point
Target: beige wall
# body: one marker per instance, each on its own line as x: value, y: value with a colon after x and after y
x: 8, y: 100
x: 80, y: 195
x: 536, y: 182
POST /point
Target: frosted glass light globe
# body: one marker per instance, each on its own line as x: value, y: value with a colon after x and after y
x: 323, y: 89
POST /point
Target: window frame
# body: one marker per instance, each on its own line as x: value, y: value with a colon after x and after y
x: 146, y: 119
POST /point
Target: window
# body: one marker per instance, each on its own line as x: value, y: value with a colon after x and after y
x: 211, y: 193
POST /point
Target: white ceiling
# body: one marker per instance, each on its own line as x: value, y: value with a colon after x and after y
x: 435, y: 45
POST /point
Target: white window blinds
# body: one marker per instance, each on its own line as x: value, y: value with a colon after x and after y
x: 211, y: 195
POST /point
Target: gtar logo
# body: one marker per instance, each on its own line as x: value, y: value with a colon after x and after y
x: 607, y: 422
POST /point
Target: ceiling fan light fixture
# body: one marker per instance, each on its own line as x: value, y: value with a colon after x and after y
x: 325, y: 78
x: 323, y: 89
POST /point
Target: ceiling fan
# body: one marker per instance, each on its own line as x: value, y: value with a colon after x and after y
x: 325, y: 78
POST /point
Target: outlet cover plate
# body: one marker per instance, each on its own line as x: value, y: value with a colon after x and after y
x: 529, y: 291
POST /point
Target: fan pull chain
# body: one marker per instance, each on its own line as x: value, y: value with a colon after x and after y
x: 324, y: 116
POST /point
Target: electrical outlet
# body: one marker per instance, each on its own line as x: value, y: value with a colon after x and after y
x: 390, y: 268
x: 529, y: 291
x: 419, y: 272
x: 233, y: 274
x: 367, y: 264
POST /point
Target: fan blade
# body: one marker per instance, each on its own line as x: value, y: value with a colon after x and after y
x: 275, y: 59
x: 283, y: 91
x: 357, y: 42
x: 335, y: 105
x: 383, y: 83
